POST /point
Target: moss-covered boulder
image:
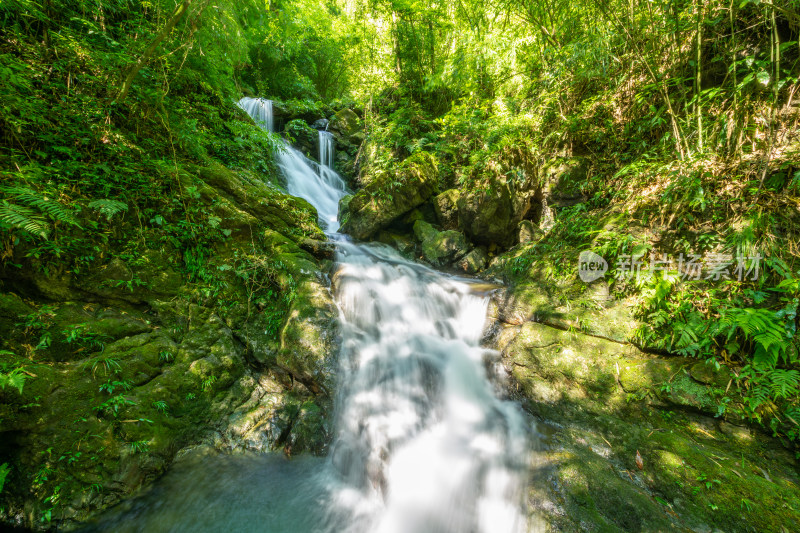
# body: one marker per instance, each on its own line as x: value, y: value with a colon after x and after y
x: 564, y: 178
x: 445, y: 247
x: 446, y: 207
x: 490, y: 214
x: 633, y: 442
x: 474, y: 261
x: 424, y: 231
x: 345, y: 122
x: 390, y: 196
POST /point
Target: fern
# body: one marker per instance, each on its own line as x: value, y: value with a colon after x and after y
x: 4, y: 470
x: 55, y: 210
x: 784, y: 383
x: 109, y: 208
x: 15, y: 378
x: 765, y: 328
x: 23, y: 218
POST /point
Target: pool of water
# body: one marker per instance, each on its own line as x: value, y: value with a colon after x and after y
x: 206, y: 491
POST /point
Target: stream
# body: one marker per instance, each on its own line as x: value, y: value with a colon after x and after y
x: 424, y: 441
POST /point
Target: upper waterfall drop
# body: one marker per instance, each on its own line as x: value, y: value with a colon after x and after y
x: 320, y: 185
x: 326, y: 148
x: 261, y: 111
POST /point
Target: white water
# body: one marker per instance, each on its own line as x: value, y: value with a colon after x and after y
x: 326, y: 148
x: 260, y: 110
x: 319, y: 184
x: 423, y: 444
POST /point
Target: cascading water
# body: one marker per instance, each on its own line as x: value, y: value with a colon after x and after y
x: 326, y: 148
x: 319, y: 184
x: 422, y: 443
x: 261, y: 111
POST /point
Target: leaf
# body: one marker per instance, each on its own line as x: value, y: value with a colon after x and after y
x: 4, y: 470
x: 108, y: 208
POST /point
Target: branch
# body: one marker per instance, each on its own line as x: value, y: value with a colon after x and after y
x: 180, y: 10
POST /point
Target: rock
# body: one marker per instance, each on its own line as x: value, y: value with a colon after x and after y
x: 474, y: 261
x: 707, y: 374
x: 424, y: 231
x: 346, y: 122
x: 440, y: 248
x: 146, y: 363
x: 563, y: 178
x: 596, y: 429
x: 446, y: 207
x: 320, y: 124
x: 444, y: 247
x: 528, y: 232
x: 491, y: 214
x: 423, y: 212
x: 390, y: 196
x: 401, y: 243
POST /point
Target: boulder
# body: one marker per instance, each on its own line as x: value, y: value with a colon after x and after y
x: 563, y: 178
x: 446, y: 207
x: 528, y: 232
x: 445, y: 247
x: 390, y: 196
x: 424, y: 231
x: 346, y: 123
x: 401, y: 243
x: 474, y: 261
x: 440, y: 248
x: 490, y: 215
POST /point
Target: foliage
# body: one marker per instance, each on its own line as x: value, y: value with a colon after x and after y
x: 749, y: 329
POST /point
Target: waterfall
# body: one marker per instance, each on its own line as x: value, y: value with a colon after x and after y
x: 326, y: 148
x: 422, y: 441
x: 260, y: 109
x: 318, y: 184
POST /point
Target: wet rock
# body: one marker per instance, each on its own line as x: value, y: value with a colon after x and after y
x: 320, y: 124
x: 401, y: 243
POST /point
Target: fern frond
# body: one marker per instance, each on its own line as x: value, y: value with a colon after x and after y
x: 784, y: 383
x: 15, y: 378
x: 23, y: 218
x: 55, y: 210
x: 109, y: 208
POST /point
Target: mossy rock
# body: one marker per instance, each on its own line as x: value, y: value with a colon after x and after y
x: 391, y: 195
x: 444, y: 248
x: 446, y: 207
x: 474, y: 261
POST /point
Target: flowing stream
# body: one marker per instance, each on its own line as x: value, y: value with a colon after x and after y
x: 423, y: 442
